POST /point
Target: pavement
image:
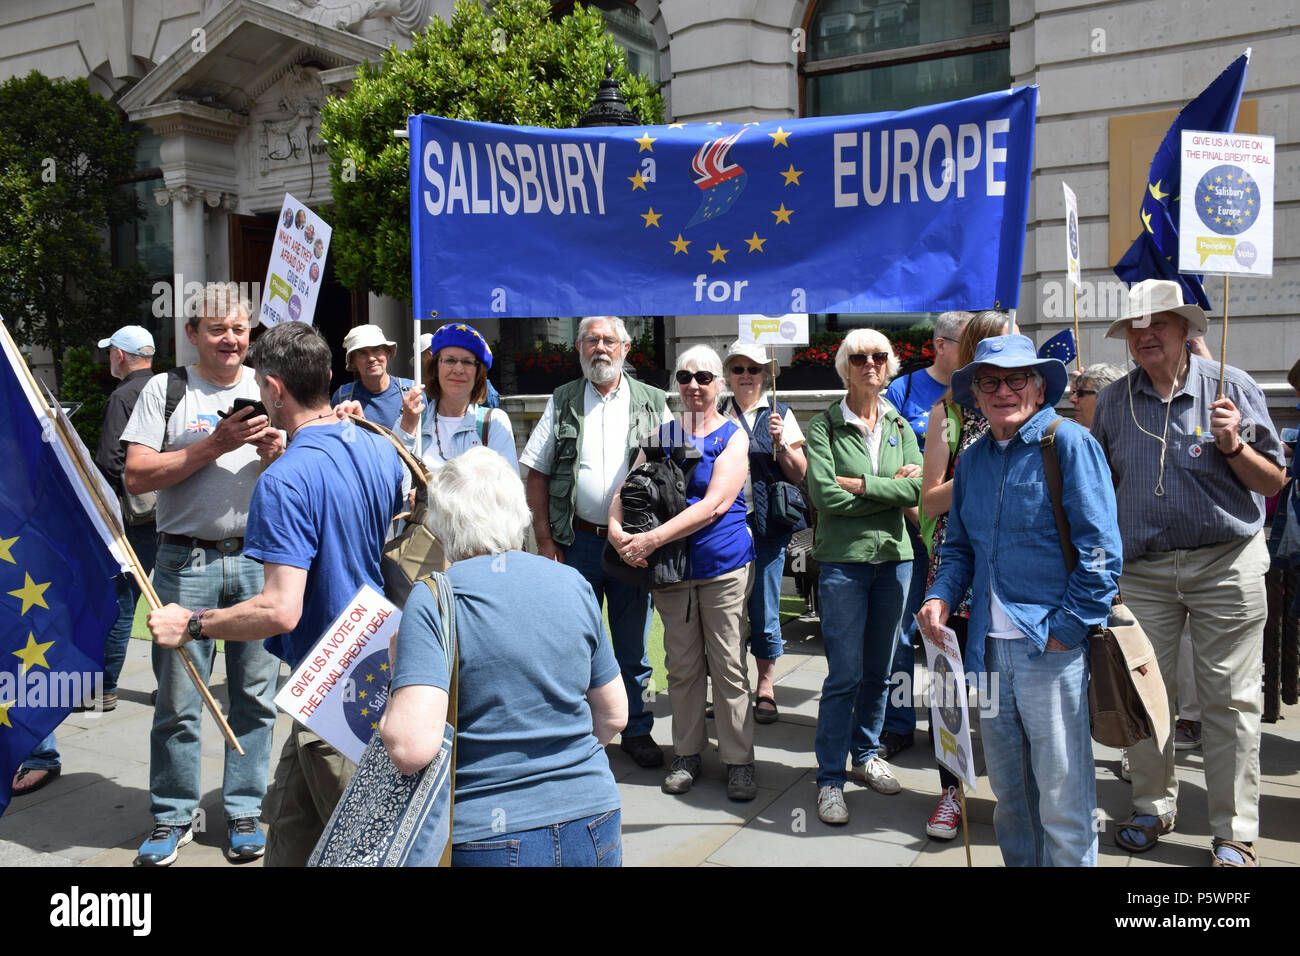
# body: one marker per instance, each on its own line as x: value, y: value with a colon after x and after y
x: 97, y: 813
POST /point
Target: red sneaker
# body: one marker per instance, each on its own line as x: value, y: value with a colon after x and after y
x: 946, y: 817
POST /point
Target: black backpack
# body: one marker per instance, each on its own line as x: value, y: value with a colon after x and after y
x: 653, y: 493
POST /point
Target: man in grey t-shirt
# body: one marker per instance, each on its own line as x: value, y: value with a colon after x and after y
x: 204, y: 466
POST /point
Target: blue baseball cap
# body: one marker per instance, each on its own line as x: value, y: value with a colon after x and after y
x: 132, y: 339
x: 1010, y: 351
x: 461, y: 336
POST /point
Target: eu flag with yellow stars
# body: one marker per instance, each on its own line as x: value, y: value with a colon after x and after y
x: 1154, y: 253
x: 1059, y: 346
x: 57, y: 597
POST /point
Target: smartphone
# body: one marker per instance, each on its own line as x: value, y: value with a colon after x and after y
x: 253, y: 403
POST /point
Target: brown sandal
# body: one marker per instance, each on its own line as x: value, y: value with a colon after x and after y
x: 1247, y: 851
x: 1152, y: 832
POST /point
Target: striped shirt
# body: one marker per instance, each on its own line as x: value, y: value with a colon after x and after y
x: 1203, y: 502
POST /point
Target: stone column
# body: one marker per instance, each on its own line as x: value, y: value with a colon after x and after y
x: 189, y: 258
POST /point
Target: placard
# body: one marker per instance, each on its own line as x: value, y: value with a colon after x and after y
x: 1071, y: 236
x: 774, y: 329
x: 949, y: 715
x: 1225, y: 218
x: 297, y: 266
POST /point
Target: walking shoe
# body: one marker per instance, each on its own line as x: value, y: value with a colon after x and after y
x: 830, y: 806
x: 740, y: 782
x: 946, y: 817
x: 247, y: 842
x: 877, y: 775
x: 892, y: 743
x: 1124, y: 772
x: 1187, y: 735
x: 91, y: 703
x: 160, y: 849
x: 29, y: 780
x: 683, y: 774
x: 643, y: 751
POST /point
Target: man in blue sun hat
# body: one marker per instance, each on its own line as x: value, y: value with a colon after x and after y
x: 1031, y: 615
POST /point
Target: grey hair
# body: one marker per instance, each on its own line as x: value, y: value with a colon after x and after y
x: 619, y: 328
x: 1008, y: 319
x: 219, y: 300
x: 949, y: 325
x: 1101, y: 374
x: 477, y: 506
x: 864, y: 340
x: 703, y: 358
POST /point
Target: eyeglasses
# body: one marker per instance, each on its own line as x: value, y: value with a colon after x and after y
x: 1082, y: 392
x: 944, y: 338
x: 859, y: 359
x: 746, y: 369
x: 1016, y: 381
x: 703, y: 377
x: 609, y: 341
x: 446, y: 361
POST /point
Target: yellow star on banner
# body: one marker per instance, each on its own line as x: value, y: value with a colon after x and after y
x: 1218, y: 179
x: 719, y: 254
x: 1217, y: 219
x: 645, y: 143
x: 679, y: 244
x: 1249, y: 202
x: 374, y: 725
x: 33, y: 653
x: 1155, y: 191
x: 674, y: 126
x: 365, y: 712
x: 636, y: 181
x: 383, y: 667
x: 652, y: 218
x: 370, y: 678
x: 31, y: 593
x: 5, y: 545
x: 362, y: 695
x: 782, y: 214
x: 1239, y: 222
x: 1146, y: 221
x: 779, y: 138
x: 4, y: 714
x: 755, y: 243
x: 792, y: 175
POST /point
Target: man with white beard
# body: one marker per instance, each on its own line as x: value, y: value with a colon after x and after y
x: 577, y: 458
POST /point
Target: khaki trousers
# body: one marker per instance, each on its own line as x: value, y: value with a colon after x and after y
x: 1219, y: 591
x: 309, y: 781
x: 716, y: 610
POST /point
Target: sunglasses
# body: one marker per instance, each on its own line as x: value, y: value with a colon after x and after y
x: 1082, y: 392
x: 746, y: 369
x: 989, y: 384
x: 859, y: 359
x: 703, y: 377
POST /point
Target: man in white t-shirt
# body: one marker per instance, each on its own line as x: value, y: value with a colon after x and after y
x: 578, y: 456
x: 203, y: 461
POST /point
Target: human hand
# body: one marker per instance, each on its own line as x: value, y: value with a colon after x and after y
x: 1054, y: 645
x: 412, y: 406
x: 237, y: 428
x: 169, y: 625
x: 932, y: 616
x: 908, y: 471
x: 776, y: 425
x: 269, y: 445
x: 1225, y: 419
x: 350, y: 407
x: 549, y: 550
x: 636, y: 552
x: 854, y: 486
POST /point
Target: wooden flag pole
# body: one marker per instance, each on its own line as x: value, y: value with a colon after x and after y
x: 965, y: 830
x: 1223, y: 350
x: 1078, y: 348
x: 113, y: 519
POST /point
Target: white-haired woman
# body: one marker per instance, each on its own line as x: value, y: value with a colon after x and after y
x: 539, y: 693
x: 702, y: 616
x: 864, y: 468
x: 1083, y: 393
x: 775, y: 454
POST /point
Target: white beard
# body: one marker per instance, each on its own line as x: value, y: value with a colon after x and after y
x: 600, y: 372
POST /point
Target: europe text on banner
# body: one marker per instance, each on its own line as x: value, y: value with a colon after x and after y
x: 297, y: 267
x: 57, y: 597
x: 339, y: 690
x: 918, y: 210
x: 949, y: 714
x: 1154, y: 253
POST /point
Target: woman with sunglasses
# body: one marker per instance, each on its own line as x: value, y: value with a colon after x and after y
x: 864, y: 468
x: 456, y: 364
x: 702, y: 616
x: 775, y: 454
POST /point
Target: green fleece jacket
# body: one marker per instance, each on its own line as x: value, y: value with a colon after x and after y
x: 870, y: 526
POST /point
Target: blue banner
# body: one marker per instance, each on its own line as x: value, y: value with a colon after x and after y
x: 919, y: 210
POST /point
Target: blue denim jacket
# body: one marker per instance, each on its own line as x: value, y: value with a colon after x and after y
x: 1001, y: 530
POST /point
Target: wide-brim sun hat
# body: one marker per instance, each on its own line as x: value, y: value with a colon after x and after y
x: 1150, y: 296
x: 749, y: 350
x: 364, y: 337
x: 461, y: 336
x: 1010, y: 351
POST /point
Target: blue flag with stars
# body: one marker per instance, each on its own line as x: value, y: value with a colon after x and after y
x: 918, y: 210
x: 1154, y: 253
x: 57, y: 597
x: 1060, y: 346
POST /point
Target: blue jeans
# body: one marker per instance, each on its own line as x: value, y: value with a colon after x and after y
x: 860, y: 606
x: 44, y: 756
x: 215, y: 580
x: 764, y: 604
x: 591, y: 841
x: 629, y: 612
x: 144, y: 539
x: 1038, y: 751
x: 901, y: 719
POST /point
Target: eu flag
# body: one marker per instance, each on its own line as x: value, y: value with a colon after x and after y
x: 1154, y: 254
x: 57, y: 598
x: 1059, y: 346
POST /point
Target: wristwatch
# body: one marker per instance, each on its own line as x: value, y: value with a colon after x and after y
x: 195, y: 626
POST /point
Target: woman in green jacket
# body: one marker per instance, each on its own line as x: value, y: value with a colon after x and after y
x: 864, y: 468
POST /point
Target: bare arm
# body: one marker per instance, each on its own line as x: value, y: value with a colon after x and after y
x: 413, y: 724
x: 149, y: 470
x: 1258, y: 473
x: 276, y: 610
x: 936, y: 493
x: 537, y: 491
x: 608, y: 709
x: 616, y: 535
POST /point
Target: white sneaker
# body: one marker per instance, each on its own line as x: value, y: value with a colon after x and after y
x: 830, y: 806
x: 946, y: 817
x: 1124, y: 772
x: 877, y: 775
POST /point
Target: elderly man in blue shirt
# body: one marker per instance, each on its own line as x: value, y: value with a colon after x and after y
x: 1031, y: 615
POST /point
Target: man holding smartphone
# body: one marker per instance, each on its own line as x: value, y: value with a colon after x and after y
x: 204, y: 466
